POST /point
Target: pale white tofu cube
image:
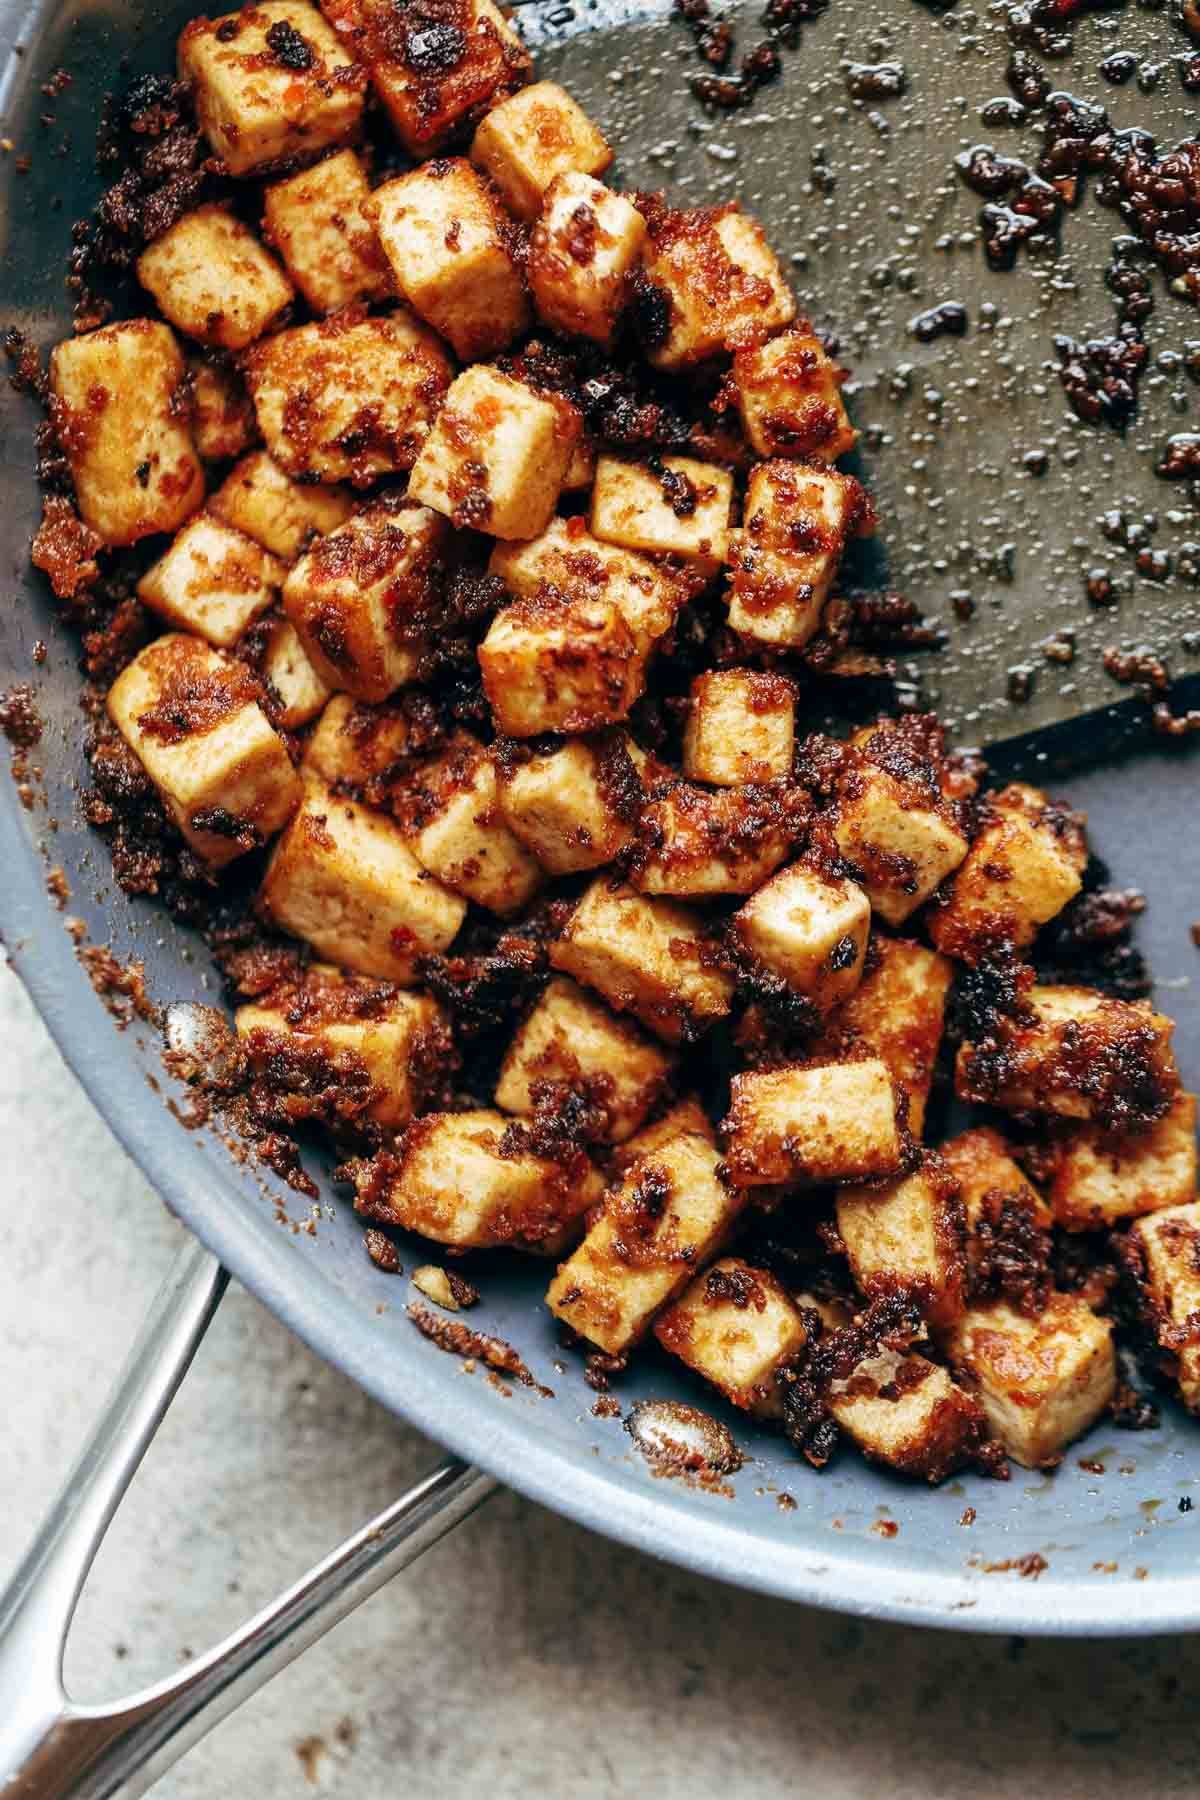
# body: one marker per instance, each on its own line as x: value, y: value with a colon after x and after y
x: 1025, y: 864
x: 789, y: 396
x: 213, y: 279
x: 906, y: 1413
x: 259, y: 498
x: 294, y: 687
x: 695, y: 843
x: 736, y: 1326
x: 897, y: 1013
x: 222, y: 416
x: 557, y: 662
x: 741, y: 727
x: 1099, y: 1180
x: 908, y: 1235
x: 318, y: 221
x: 212, y: 581
x: 575, y: 807
x: 721, y: 284
x: 533, y: 137
x: 810, y: 930
x: 782, y: 563
x: 459, y: 834
x: 1168, y: 1245
x: 680, y: 508
x: 892, y: 823
x: 566, y: 556
x: 813, y: 1123
x: 567, y: 1036
x: 583, y: 251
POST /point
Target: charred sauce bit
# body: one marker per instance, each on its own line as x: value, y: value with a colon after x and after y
x: 457, y: 1339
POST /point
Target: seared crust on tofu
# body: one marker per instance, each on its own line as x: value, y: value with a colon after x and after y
x: 356, y: 746
x: 560, y: 662
x: 583, y: 252
x: 318, y: 222
x: 1099, y: 1179
x: 695, y: 843
x: 261, y: 499
x: 213, y: 280
x: 681, y: 509
x: 212, y: 581
x: 575, y: 807
x: 527, y: 141
x: 908, y: 1236
x: 906, y: 1413
x: 790, y: 399
x: 295, y: 690
x: 1167, y: 1245
x: 797, y: 521
x: 811, y: 1124
x: 893, y: 825
x: 457, y: 831
x: 741, y: 726
x: 895, y: 1013
x: 809, y: 930
x: 685, y: 1116
x: 1025, y: 864
x: 736, y: 1326
x: 723, y: 287
x: 567, y: 557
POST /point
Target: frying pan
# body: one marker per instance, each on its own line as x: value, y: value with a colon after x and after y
x: 861, y: 200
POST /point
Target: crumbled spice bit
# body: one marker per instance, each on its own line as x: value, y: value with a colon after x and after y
x: 1029, y: 1567
x: 600, y: 1367
x: 121, y: 986
x: 20, y: 720
x: 458, y: 1339
x: 968, y: 1516
x: 382, y: 1252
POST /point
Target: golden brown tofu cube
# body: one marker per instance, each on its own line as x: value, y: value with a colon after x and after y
x: 892, y: 823
x: 458, y: 832
x: 347, y: 400
x: 1099, y: 1179
x: 497, y: 454
x: 723, y: 287
x: 223, y: 422
x: 558, y: 662
x: 271, y: 83
x: 117, y: 405
x: 191, y: 717
x: 296, y: 690
x: 360, y: 597
x: 907, y: 1414
x: 569, y: 1037
x: 683, y: 510
x: 1079, y: 1054
x: 696, y: 843
x: 1005, y: 1215
x: 908, y: 1235
x: 344, y: 879
x: 896, y: 1013
x: 1025, y: 864
x: 257, y: 497
x: 741, y: 726
x: 809, y: 929
x: 575, y: 807
x: 668, y: 1215
x: 782, y: 563
x: 213, y: 280
x: 212, y: 581
x: 1169, y: 1245
x: 648, y: 957
x: 583, y: 251
x: 1042, y: 1382
x: 790, y: 398
x: 736, y: 1327
x: 355, y: 746
x: 685, y: 1116
x: 566, y: 556
x: 318, y: 222
x: 813, y: 1123
x: 529, y: 140
x: 448, y: 243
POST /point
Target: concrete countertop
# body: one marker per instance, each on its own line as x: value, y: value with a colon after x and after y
x: 520, y: 1655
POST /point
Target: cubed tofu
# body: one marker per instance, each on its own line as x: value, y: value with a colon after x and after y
x: 669, y: 1214
x: 1025, y: 864
x: 467, y: 1179
x: 789, y: 396
x: 496, y: 457
x: 380, y: 1053
x: 682, y: 509
x: 1042, y: 1382
x: 347, y: 399
x: 1008, y: 1222
x: 355, y: 746
x: 344, y: 879
x: 735, y: 1326
x: 567, y: 1036
x: 896, y: 1013
x: 721, y: 285
x: 1099, y: 1180
x: 271, y: 83
x: 361, y: 596
x: 1079, y: 1054
x: 459, y: 834
x: 909, y: 1235
x: 813, y: 1123
x: 449, y: 245
x: 567, y: 557
x: 213, y: 279
x: 558, y: 662
x: 810, y: 930
x: 259, y: 498
x: 119, y: 406
x: 583, y: 251
x: 648, y: 957
x: 1169, y: 1245
x: 529, y: 140
x: 294, y: 687
x: 695, y: 843
x: 686, y: 1115
x: 191, y: 717
x: 318, y: 222
x: 575, y: 807
x: 436, y: 74
x: 223, y: 422
x: 906, y: 1413
x: 893, y: 825
x: 212, y: 581
x: 741, y: 726
x: 782, y: 563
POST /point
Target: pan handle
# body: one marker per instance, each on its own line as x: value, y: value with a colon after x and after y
x: 54, y: 1749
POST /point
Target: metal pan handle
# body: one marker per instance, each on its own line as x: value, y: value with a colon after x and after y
x: 50, y: 1747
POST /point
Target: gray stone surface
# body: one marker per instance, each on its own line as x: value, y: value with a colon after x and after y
x: 522, y: 1654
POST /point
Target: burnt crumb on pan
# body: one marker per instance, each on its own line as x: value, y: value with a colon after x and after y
x: 382, y: 1252
x: 1029, y: 1566
x: 121, y: 986
x: 458, y: 1339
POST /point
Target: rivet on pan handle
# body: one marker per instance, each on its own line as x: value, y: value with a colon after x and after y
x: 51, y: 1748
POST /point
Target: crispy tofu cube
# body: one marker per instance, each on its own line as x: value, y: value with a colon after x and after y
x: 257, y: 497
x: 1099, y: 1180
x: 213, y: 280
x: 782, y: 563
x: 380, y: 1052
x: 467, y: 1179
x: 569, y: 1037
x: 696, y: 843
x: 344, y: 879
x: 319, y: 224
x: 222, y: 417
x: 737, y: 1328
x: 117, y: 404
x: 496, y: 457
x: 347, y: 399
x: 1169, y: 1245
x: 1026, y: 863
x: 568, y: 557
x: 1000, y: 1206
x: 192, y: 719
x: 297, y: 691
x: 723, y: 288
x: 271, y: 83
x: 682, y: 511
x: 583, y: 251
x: 741, y: 726
x: 790, y: 398
x: 906, y: 1413
x: 686, y: 1115
x: 1042, y: 1382
x: 648, y: 957
x: 448, y: 242
x: 575, y: 807
x: 559, y: 662
x: 896, y: 1013
x: 813, y: 1123
x: 532, y: 138
x: 894, y: 827
x: 360, y: 596
x: 1079, y: 1054
x: 908, y: 1235
x: 212, y: 581
x: 458, y: 832
x: 668, y: 1215
x: 355, y: 746
x: 809, y: 929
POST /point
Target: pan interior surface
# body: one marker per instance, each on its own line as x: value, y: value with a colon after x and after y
x: 1114, y: 1544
